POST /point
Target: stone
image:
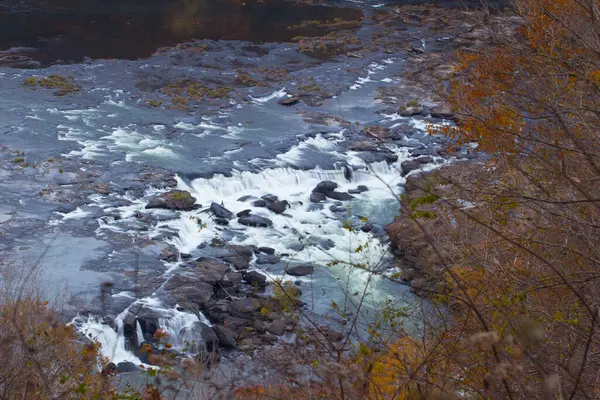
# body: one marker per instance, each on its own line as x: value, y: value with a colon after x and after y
x: 325, y: 186
x: 255, y: 278
x: 266, y: 250
x: 267, y: 259
x: 244, y: 198
x: 354, y: 191
x: 442, y: 111
x: 169, y: 254
x: 231, y: 279
x: 362, y: 188
x: 408, y: 166
x: 238, y: 262
x: 236, y: 323
x: 289, y: 101
x: 221, y: 221
x: 209, y: 270
x: 255, y: 221
x: 278, y: 207
x: 239, y: 250
x: 300, y: 270
x: 201, y: 337
x: 127, y: 366
x: 189, y: 289
x: 317, y: 197
x: 276, y: 327
x: 243, y: 308
x: 343, y: 196
x: 269, y: 198
x: 243, y: 213
x: 259, y: 203
x: 367, y: 228
x: 220, y: 211
x: 258, y: 326
x: 179, y: 200
x: 156, y: 202
x: 225, y: 335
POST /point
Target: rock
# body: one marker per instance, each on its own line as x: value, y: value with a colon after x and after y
x: 221, y: 221
x: 424, y: 160
x: 258, y: 326
x: 127, y: 366
x: 255, y: 221
x: 408, y: 166
x: 238, y: 262
x: 201, y: 337
x: 231, y: 279
x: 156, y: 202
x: 111, y: 368
x: 267, y: 259
x: 332, y: 334
x: 338, y: 195
x: 255, y: 278
x: 238, y: 250
x: 278, y: 207
x: 179, y: 200
x: 189, y: 289
x: 244, y: 198
x: 300, y: 270
x: 411, y: 111
x: 289, y: 101
x: 267, y: 250
x: 269, y: 198
x: 225, y: 335
x: 259, y: 203
x: 315, y: 207
x: 317, y: 197
x: 363, y: 145
x: 169, y: 254
x: 236, y: 323
x: 243, y: 308
x: 367, y: 228
x: 209, y: 270
x: 354, y: 191
x: 243, y: 213
x: 148, y: 319
x: 185, y: 256
x: 276, y: 327
x: 325, y: 186
x: 221, y: 212
x: 442, y: 111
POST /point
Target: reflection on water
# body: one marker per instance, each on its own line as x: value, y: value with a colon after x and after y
x: 70, y: 30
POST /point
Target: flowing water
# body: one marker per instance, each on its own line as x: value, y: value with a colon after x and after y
x: 247, y: 146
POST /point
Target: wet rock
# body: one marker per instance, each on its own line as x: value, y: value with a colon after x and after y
x: 255, y: 278
x: 127, y: 366
x: 239, y: 250
x: 209, y: 270
x: 178, y: 200
x: 221, y: 221
x: 367, y: 228
x: 156, y: 202
x: 185, y: 256
x: 231, y: 279
x: 411, y: 111
x: 363, y: 145
x: 221, y: 212
x: 109, y: 369
x: 343, y: 196
x: 244, y: 198
x: 442, y: 111
x: 225, y: 335
x: 189, y: 289
x: 354, y: 191
x: 276, y: 327
x: 243, y: 308
x: 332, y: 334
x: 259, y: 203
x: 203, y: 337
x: 215, y: 242
x: 300, y: 270
x: 315, y: 207
x: 243, y: 213
x: 266, y: 250
x: 269, y: 198
x: 169, y: 254
x: 236, y: 323
x: 278, y: 207
x: 267, y: 259
x: 148, y: 319
x: 258, y: 326
x: 238, y: 262
x: 325, y: 186
x: 411, y: 165
x: 317, y: 197
x: 289, y: 101
x: 255, y: 221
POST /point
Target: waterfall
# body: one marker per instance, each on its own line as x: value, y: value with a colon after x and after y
x: 139, y: 333
x: 182, y: 329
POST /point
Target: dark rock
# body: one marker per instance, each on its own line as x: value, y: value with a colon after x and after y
x: 189, y: 289
x: 289, y: 101
x: 243, y: 308
x: 354, y: 191
x: 300, y: 270
x: 127, y: 366
x: 424, y: 160
x: 276, y: 327
x: 201, y: 337
x: 243, y: 213
x: 221, y: 221
x: 169, y: 254
x: 110, y: 369
x: 148, y: 319
x: 267, y: 259
x: 209, y: 270
x: 267, y: 250
x: 231, y: 279
x: 325, y: 186
x: 343, y: 196
x: 238, y: 250
x: 408, y: 166
x: 278, y: 207
x: 258, y: 326
x: 255, y: 221
x: 225, y: 335
x: 221, y: 212
x: 156, y: 202
x: 259, y: 203
x: 255, y: 278
x: 244, y: 198
x: 185, y: 256
x: 236, y: 323
x: 317, y: 197
x: 367, y: 228
x: 443, y: 112
x: 238, y: 262
x: 178, y: 200
x: 315, y: 207
x: 269, y: 198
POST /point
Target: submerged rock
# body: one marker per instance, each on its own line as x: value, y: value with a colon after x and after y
x: 343, y: 196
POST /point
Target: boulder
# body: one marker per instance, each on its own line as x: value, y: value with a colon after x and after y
x: 189, y: 289
x: 156, y: 202
x: 442, y: 111
x: 354, y: 191
x: 367, y: 228
x: 362, y: 188
x: 267, y: 259
x: 243, y: 213
x: 169, y: 254
x: 225, y: 335
x: 178, y: 200
x: 317, y: 197
x: 244, y: 198
x: 300, y: 270
x: 255, y: 221
x: 278, y: 207
x: 276, y: 327
x: 127, y: 366
x: 209, y: 270
x: 239, y: 250
x: 221, y: 221
x: 231, y: 279
x: 243, y: 308
x: 238, y: 262
x: 221, y: 212
x: 408, y: 166
x: 343, y: 196
x: 289, y: 101
x: 269, y: 198
x: 255, y: 278
x: 267, y: 250
x: 325, y: 186
x: 200, y: 337
x: 259, y: 203
x: 258, y: 326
